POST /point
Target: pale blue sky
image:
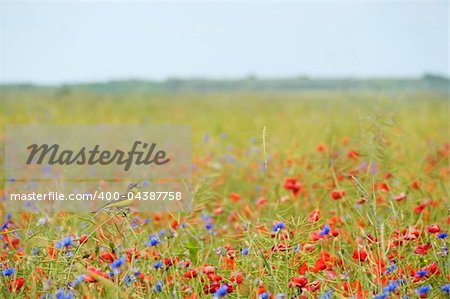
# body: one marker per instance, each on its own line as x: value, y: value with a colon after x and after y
x: 54, y: 42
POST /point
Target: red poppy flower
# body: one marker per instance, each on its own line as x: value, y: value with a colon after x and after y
x: 16, y: 284
x: 314, y: 216
x: 261, y: 201
x: 237, y: 278
x: 400, y: 197
x: 337, y: 194
x: 384, y: 187
x: 313, y: 286
x: 422, y: 249
x: 293, y: 185
x: 434, y: 228
x: 212, y: 288
x: 299, y: 281
x: 353, y: 154
x: 319, y: 265
x: 302, y: 269
x: 190, y: 274
x: 132, y: 253
x: 321, y: 148
x: 234, y: 197
x: 433, y: 269
x: 95, y: 271
x: 415, y: 185
x: 419, y: 209
x: 106, y: 257
x: 218, y: 210
x: 361, y: 201
x: 52, y: 252
x: 232, y: 217
x: 174, y: 224
x: 15, y: 243
x: 169, y: 261
x: 214, y: 277
x: 208, y: 269
x: 83, y: 239
x: 359, y: 254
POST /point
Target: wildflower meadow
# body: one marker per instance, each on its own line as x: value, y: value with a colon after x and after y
x: 314, y: 194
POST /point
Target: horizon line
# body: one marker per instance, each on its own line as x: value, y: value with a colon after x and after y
x: 250, y: 76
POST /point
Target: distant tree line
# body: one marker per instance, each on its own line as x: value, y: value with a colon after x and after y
x: 251, y: 83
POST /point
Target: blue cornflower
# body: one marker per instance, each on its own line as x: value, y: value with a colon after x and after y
x: 392, y: 268
x: 327, y: 295
x: 128, y: 280
x: 245, y: 251
x: 206, y: 138
x: 391, y: 287
x: 373, y: 168
x: 446, y: 288
x: 77, y: 281
x: 221, y: 292
x: 442, y: 235
x: 209, y: 226
x: 206, y: 218
x: 134, y: 224
x: 264, y: 295
x: 423, y: 290
x: 422, y: 272
x: 380, y: 296
x: 158, y: 287
x: 325, y: 230
x: 66, y: 242
x: 297, y: 248
x: 278, y: 226
x: 35, y: 251
x: 7, y: 220
x: 61, y: 294
x: 158, y: 265
x: 162, y: 233
x: 154, y: 240
x: 8, y: 272
x: 118, y: 263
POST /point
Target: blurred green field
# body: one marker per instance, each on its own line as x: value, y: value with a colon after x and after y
x: 405, y: 135
x: 295, y: 122
x: 291, y: 118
